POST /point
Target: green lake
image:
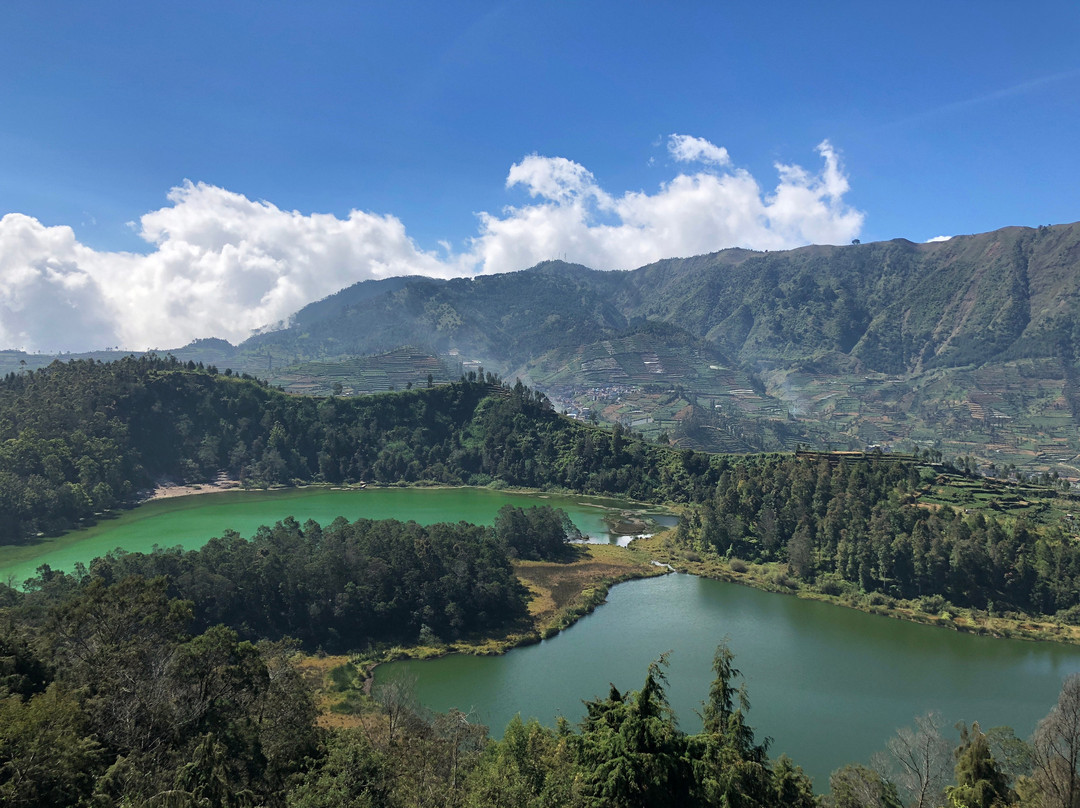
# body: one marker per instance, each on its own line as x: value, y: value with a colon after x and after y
x: 191, y: 521
x: 829, y: 685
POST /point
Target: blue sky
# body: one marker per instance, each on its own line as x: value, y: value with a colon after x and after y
x: 938, y: 119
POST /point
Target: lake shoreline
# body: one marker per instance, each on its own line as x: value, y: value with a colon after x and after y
x: 765, y: 577
x: 167, y: 489
x: 758, y: 576
x: 591, y: 576
x: 830, y: 685
x: 774, y: 577
x: 170, y: 490
x: 1026, y: 628
x: 235, y: 505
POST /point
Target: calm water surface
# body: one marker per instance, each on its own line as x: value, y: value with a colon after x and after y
x: 192, y: 521
x: 829, y: 685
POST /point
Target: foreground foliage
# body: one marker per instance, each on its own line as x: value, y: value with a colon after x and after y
x: 108, y: 699
x: 115, y: 702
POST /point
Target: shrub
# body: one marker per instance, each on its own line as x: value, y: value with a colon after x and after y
x: 1070, y: 616
x: 931, y: 604
x: 782, y: 579
x: 832, y: 584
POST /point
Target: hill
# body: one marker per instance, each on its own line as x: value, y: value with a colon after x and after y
x: 967, y: 346
x: 81, y: 437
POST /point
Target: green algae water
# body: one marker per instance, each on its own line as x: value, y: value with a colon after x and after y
x: 829, y: 685
x: 191, y: 521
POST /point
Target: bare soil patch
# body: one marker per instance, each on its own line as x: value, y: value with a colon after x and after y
x: 167, y: 489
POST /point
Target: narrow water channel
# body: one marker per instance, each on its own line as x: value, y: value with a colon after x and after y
x: 829, y: 685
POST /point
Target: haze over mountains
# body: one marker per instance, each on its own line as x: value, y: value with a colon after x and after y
x: 825, y: 345
x: 894, y: 307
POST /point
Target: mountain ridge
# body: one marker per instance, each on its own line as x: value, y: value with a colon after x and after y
x: 883, y: 342
x: 885, y: 303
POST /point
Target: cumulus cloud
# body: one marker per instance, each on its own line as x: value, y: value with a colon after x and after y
x: 938, y: 238
x: 556, y: 179
x: 220, y: 264
x: 690, y: 149
x: 695, y: 213
x: 48, y: 293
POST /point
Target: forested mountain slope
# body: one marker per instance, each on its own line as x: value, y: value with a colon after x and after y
x: 77, y: 438
x: 969, y: 346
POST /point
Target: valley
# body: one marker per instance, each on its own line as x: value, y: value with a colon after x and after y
x: 539, y: 405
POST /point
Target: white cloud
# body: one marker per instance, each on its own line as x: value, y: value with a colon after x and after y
x: 938, y: 238
x: 556, y: 179
x: 691, y: 214
x: 690, y: 149
x: 223, y: 265
x: 48, y: 297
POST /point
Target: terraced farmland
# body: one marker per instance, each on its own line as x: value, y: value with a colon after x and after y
x: 359, y: 375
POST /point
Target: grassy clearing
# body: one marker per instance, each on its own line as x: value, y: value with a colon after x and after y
x: 562, y: 593
x: 338, y: 685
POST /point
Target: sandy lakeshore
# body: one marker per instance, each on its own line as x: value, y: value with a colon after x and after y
x: 167, y: 490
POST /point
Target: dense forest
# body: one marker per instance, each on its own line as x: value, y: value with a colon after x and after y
x: 342, y: 587
x: 169, y: 678
x: 109, y: 699
x: 348, y: 586
x: 859, y: 525
x: 80, y: 437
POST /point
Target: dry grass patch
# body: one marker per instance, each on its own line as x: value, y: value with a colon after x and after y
x: 316, y: 671
x: 557, y: 588
x: 331, y: 720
